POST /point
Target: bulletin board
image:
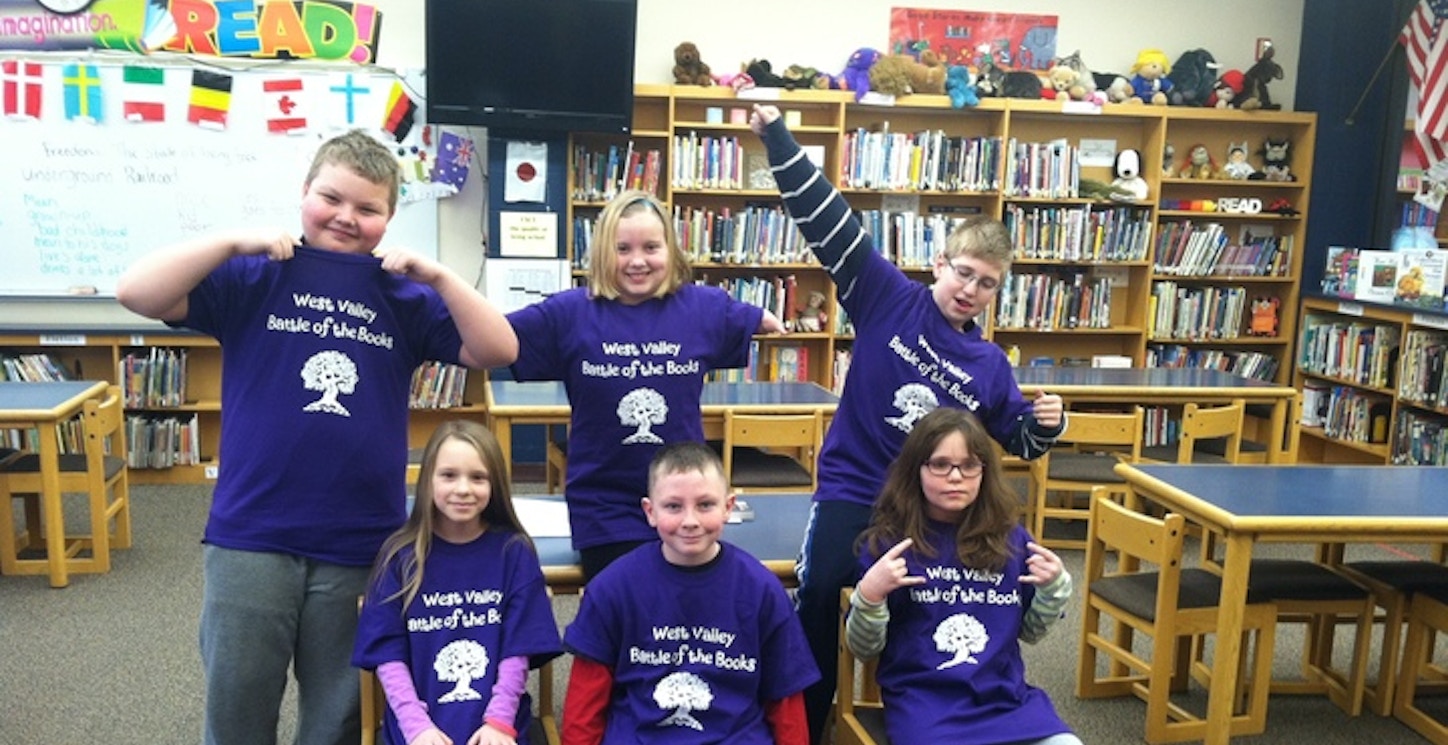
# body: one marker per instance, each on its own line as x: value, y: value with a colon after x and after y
x: 94, y: 176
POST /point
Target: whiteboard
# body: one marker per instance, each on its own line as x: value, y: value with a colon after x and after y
x: 81, y: 201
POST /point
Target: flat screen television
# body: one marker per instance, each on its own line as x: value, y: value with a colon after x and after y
x: 531, y: 66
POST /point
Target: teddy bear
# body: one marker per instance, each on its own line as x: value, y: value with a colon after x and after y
x: 1149, y: 81
x: 899, y: 74
x: 688, y: 68
x: 1254, y: 83
x: 1070, y: 80
x: 960, y: 86
x: 856, y: 75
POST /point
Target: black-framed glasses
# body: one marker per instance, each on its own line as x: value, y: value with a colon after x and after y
x: 967, y: 276
x: 943, y: 466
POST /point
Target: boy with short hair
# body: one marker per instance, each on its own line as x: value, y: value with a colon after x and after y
x: 319, y: 338
x: 697, y: 637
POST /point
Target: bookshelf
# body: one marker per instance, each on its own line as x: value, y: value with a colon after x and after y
x: 184, y: 409
x: 1373, y: 387
x: 1089, y: 278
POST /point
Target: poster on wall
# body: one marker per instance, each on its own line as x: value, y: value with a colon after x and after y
x: 1012, y: 41
x: 263, y: 29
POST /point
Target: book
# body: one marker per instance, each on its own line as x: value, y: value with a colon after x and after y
x: 1377, y: 276
x: 1420, y: 277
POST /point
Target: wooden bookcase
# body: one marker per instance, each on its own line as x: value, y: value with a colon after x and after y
x: 1372, y: 377
x: 668, y: 118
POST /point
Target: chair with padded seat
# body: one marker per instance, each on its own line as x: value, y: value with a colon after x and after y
x: 1083, y: 458
x: 859, y: 715
x: 1427, y: 618
x: 1220, y: 425
x: 1394, y: 584
x: 543, y: 727
x: 1148, y: 591
x: 100, y: 472
x: 771, y: 452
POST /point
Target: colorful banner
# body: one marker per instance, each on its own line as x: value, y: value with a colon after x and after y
x: 1013, y: 41
x: 257, y: 29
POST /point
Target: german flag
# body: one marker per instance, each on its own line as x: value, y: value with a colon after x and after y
x: 400, y: 112
x: 210, y: 99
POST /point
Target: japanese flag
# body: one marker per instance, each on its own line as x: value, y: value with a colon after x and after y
x: 527, y: 179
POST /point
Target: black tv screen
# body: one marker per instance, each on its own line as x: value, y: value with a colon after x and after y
x: 526, y: 66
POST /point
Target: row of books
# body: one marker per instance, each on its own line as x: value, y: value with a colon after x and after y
x: 1257, y: 365
x: 1159, y: 428
x: 928, y: 160
x: 32, y: 368
x: 771, y: 362
x: 1420, y: 441
x: 1054, y: 301
x: 1185, y: 249
x: 775, y: 294
x: 907, y: 239
x: 1079, y: 233
x: 706, y: 162
x: 1352, y: 414
x: 1045, y: 170
x: 1422, y: 380
x: 756, y: 235
x: 163, y: 442
x: 154, y: 379
x: 1195, y: 313
x: 437, y: 385
x: 1412, y: 277
x: 600, y: 174
x: 69, y: 435
x: 1358, y: 352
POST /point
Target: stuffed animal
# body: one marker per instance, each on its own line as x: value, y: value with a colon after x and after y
x: 688, y: 68
x: 1116, y: 87
x: 798, y: 76
x: 856, y: 75
x: 1168, y: 156
x: 899, y: 74
x: 1128, y: 175
x: 1276, y: 161
x: 1193, y: 76
x: 1264, y: 316
x: 813, y: 318
x: 739, y: 81
x: 1071, y: 81
x: 1237, y: 166
x: 763, y: 74
x: 1254, y: 83
x: 989, y: 79
x: 960, y: 86
x: 1199, y: 164
x: 1149, y: 81
x: 1228, y: 90
x: 1021, y: 84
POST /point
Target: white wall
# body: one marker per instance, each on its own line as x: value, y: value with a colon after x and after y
x: 815, y: 33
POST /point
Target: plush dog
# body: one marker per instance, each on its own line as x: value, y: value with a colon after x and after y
x: 688, y: 68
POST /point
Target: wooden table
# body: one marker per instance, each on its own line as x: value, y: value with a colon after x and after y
x: 1171, y: 386
x: 511, y: 402
x: 45, y: 406
x: 774, y: 537
x: 1289, y: 504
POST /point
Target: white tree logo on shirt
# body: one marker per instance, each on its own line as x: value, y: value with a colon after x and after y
x: 643, y: 408
x: 916, y: 400
x: 332, y: 373
x: 684, y: 693
x: 961, y: 635
x: 461, y: 662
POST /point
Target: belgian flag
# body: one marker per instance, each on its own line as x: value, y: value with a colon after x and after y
x: 400, y: 112
x: 210, y: 99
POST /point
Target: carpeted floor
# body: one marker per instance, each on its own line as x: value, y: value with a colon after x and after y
x: 112, y: 659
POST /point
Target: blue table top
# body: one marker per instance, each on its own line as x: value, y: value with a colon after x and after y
x: 22, y: 400
x: 511, y: 393
x: 775, y: 533
x: 1310, y: 491
x: 1135, y: 377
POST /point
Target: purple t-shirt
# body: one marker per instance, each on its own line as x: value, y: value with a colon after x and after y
x: 695, y: 653
x: 951, y: 670
x: 908, y: 360
x: 317, y: 355
x: 633, y: 374
x: 480, y: 603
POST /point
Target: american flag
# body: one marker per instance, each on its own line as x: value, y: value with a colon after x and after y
x: 1427, y: 48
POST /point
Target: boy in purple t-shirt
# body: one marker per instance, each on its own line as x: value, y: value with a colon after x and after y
x: 632, y: 350
x: 319, y: 337
x: 686, y: 639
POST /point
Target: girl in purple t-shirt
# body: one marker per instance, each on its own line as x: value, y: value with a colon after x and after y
x: 952, y: 583
x: 457, y: 610
x: 632, y: 349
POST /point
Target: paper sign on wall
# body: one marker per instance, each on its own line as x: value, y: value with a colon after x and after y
x: 528, y: 234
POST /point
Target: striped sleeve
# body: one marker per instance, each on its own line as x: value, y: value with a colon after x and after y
x: 865, y: 627
x: 1048, y: 607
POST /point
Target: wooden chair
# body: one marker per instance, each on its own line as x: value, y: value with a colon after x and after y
x: 1082, y: 459
x: 1220, y: 425
x: 1394, y: 585
x: 99, y: 472
x: 859, y: 713
x: 1149, y: 592
x: 754, y: 451
x: 555, y: 459
x: 543, y: 727
x: 1427, y: 617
